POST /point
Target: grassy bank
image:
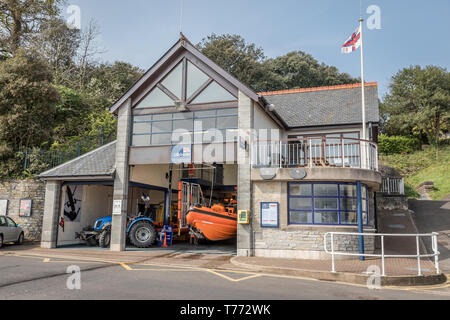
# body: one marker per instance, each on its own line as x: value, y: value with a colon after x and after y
x: 428, y: 165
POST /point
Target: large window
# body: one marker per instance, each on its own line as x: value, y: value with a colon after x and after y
x: 185, y: 127
x: 326, y: 203
x: 189, y: 85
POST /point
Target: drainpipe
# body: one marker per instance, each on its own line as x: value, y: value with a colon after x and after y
x: 375, y: 210
x: 360, y: 219
x: 168, y: 198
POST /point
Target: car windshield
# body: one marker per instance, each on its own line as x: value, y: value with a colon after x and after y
x: 2, y: 222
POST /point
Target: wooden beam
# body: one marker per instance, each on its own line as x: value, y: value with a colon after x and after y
x: 158, y: 77
x: 192, y: 107
x: 184, y: 82
x: 199, y: 90
x: 162, y: 61
x: 212, y: 74
x: 167, y: 92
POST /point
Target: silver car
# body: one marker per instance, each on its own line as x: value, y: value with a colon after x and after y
x: 10, y: 231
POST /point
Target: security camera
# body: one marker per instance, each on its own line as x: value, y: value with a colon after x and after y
x: 271, y: 107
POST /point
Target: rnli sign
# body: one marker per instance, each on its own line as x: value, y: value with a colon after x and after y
x: 181, y: 154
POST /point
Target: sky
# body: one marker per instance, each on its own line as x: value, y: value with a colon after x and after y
x: 413, y: 32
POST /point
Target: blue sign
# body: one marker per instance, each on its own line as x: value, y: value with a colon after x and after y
x: 181, y: 154
x: 169, y: 234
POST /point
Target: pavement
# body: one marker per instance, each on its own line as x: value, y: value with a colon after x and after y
x: 434, y: 216
x: 399, y: 222
x: 31, y: 273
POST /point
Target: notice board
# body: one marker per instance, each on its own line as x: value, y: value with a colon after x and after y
x: 270, y: 214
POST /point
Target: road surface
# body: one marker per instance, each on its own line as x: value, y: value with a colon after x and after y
x: 46, y: 278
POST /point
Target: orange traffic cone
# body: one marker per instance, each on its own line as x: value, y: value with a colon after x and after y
x: 165, y: 241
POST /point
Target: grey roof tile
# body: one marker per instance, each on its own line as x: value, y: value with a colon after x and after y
x: 326, y: 107
x: 99, y: 162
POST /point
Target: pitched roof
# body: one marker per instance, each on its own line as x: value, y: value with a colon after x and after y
x: 322, y: 106
x: 97, y: 163
x: 181, y: 45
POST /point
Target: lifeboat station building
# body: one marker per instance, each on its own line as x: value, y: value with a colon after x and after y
x: 294, y: 163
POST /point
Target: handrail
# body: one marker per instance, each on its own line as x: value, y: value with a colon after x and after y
x: 316, y: 151
x: 393, y: 186
x: 383, y: 256
x: 314, y: 138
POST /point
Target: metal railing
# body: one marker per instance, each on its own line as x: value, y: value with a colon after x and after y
x: 382, y: 255
x: 393, y: 186
x: 316, y: 152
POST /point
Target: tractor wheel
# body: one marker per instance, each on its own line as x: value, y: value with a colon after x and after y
x: 91, y: 242
x: 105, y: 239
x: 142, y: 234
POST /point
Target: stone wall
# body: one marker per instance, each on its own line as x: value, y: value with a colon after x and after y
x: 392, y: 202
x: 16, y: 190
x: 298, y: 241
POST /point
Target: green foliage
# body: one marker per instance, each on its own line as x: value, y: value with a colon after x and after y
x: 234, y: 55
x: 71, y: 114
x: 300, y: 70
x: 247, y: 63
x: 108, y: 82
x: 431, y: 164
x: 418, y: 104
x: 410, y: 192
x: 27, y: 101
x: 20, y: 21
x: 397, y: 144
x: 58, y: 44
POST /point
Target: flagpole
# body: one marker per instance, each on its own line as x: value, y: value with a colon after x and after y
x: 364, y: 136
x: 363, y: 153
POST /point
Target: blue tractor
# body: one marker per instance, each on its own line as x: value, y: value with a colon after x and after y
x: 141, y: 231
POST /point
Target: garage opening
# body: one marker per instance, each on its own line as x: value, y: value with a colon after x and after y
x: 190, y: 206
x: 81, y: 205
x: 196, y: 203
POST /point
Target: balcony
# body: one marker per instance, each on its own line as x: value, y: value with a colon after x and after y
x: 316, y: 152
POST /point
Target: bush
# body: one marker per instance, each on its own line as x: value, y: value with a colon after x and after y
x: 397, y: 144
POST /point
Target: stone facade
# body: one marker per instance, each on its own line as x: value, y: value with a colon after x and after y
x: 16, y: 190
x: 121, y: 180
x: 298, y: 241
x: 392, y: 202
x: 244, y: 232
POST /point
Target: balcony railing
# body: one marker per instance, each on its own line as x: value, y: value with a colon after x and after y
x: 393, y: 186
x: 316, y: 152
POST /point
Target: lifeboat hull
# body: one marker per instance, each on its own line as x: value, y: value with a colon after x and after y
x: 213, y: 225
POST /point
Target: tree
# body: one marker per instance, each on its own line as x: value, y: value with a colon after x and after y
x: 418, y: 103
x: 21, y: 19
x: 234, y: 55
x: 300, y: 70
x: 27, y: 106
x: 59, y: 45
x: 88, y: 50
x: 247, y: 63
x: 109, y: 81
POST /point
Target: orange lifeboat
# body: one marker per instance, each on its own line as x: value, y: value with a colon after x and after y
x: 215, y: 223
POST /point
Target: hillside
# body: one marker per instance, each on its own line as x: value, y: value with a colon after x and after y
x: 427, y: 165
